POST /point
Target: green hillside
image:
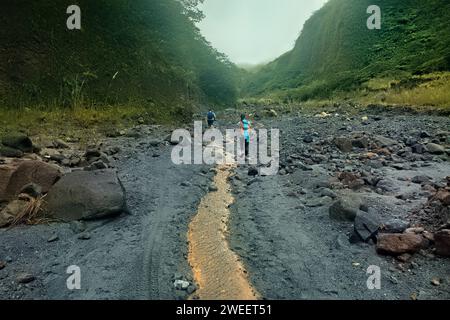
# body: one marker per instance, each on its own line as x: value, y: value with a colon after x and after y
x: 145, y: 52
x: 337, y: 52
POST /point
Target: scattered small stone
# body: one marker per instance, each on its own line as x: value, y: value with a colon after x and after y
x: 252, y: 171
x: 384, y: 141
x: 395, y: 226
x: 428, y: 235
x: 393, y: 280
x: 436, y: 282
x: 272, y: 113
x: 99, y: 165
x: 53, y: 238
x: 418, y: 148
x: 404, y: 257
x: 435, y: 148
x: 400, y: 166
x: 25, y: 278
x: 57, y: 157
x: 303, y: 166
x: 420, y: 179
x: 75, y: 162
x: 84, y: 236
x: 60, y: 144
x: 361, y: 143
x: 252, y: 181
x: 78, y: 226
x: 32, y: 189
x: 416, y: 230
x: 328, y: 192
x: 443, y: 196
x: 191, y: 289
x: 318, y: 202
x: 343, y: 144
x: 92, y: 153
x: 181, y: 285
x: 177, y: 276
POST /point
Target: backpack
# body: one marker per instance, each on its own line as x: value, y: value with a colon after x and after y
x: 210, y: 115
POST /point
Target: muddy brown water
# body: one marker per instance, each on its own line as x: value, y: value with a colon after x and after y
x: 217, y: 270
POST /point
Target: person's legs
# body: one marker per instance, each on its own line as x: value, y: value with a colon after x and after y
x: 247, y: 147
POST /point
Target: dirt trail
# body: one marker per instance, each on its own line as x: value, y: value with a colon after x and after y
x: 217, y: 270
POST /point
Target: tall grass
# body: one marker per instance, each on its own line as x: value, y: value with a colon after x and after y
x: 429, y: 90
x: 82, y: 123
x: 435, y: 93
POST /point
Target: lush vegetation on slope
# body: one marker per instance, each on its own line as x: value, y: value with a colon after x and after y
x: 129, y: 52
x: 336, y: 52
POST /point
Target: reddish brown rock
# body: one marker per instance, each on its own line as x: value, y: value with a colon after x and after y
x: 350, y: 180
x: 11, y: 211
x: 444, y: 197
x: 37, y: 172
x: 397, y: 244
x: 442, y: 242
x: 404, y: 257
x: 344, y: 144
x: 6, y: 172
x: 416, y: 230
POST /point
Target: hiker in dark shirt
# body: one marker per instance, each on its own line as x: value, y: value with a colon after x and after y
x: 211, y: 118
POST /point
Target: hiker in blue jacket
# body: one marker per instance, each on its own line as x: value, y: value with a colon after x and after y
x: 211, y: 118
x: 245, y: 129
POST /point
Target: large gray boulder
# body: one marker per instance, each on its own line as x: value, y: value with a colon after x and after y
x: 435, y: 148
x: 86, y: 195
x: 10, y: 152
x: 366, y: 227
x: 344, y: 144
x: 346, y: 208
x: 18, y: 141
x: 382, y: 141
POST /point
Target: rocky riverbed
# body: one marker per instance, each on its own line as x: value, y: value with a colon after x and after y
x: 136, y: 248
x: 353, y: 191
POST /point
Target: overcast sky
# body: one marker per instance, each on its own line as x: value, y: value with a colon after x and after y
x: 255, y: 31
